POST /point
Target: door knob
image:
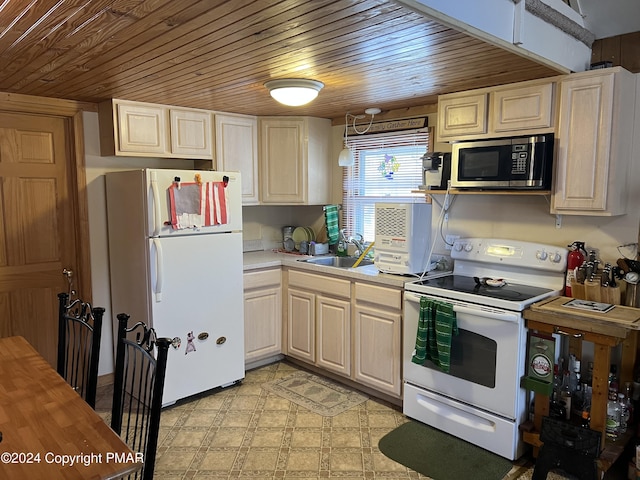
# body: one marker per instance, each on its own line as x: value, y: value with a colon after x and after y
x: 69, y: 274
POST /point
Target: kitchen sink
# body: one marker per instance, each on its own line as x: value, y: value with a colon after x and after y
x: 339, y: 262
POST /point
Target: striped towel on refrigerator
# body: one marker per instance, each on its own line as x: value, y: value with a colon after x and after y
x: 195, y: 205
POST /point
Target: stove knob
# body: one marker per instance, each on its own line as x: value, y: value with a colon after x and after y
x: 555, y: 257
x: 468, y: 247
x: 541, y: 255
x: 458, y: 247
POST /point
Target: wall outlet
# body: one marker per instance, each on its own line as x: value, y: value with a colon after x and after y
x: 449, y: 239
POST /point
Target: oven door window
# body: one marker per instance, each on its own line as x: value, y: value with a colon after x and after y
x: 473, y: 358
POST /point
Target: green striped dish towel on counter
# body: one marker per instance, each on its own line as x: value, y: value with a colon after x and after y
x: 331, y: 220
x: 436, y: 325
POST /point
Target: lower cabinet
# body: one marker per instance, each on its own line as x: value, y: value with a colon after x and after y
x: 262, y: 314
x: 378, y: 332
x: 345, y: 327
x: 319, y: 320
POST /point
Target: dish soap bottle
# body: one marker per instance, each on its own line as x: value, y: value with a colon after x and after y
x: 341, y: 250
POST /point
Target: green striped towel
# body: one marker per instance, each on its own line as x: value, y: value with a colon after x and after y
x: 436, y: 325
x: 331, y: 219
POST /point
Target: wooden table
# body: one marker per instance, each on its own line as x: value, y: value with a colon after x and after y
x: 605, y: 330
x: 46, y: 425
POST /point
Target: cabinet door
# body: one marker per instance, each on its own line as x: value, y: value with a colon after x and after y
x: 378, y: 352
x: 237, y: 150
x: 142, y: 129
x: 283, y: 165
x: 191, y: 133
x: 301, y: 325
x: 333, y: 318
x: 460, y: 116
x: 525, y: 108
x: 584, y: 142
x: 377, y: 344
x: 262, y: 323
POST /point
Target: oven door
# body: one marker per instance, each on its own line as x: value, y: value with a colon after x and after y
x: 487, y: 357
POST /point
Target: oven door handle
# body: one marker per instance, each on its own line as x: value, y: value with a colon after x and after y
x: 492, y: 314
x: 477, y: 311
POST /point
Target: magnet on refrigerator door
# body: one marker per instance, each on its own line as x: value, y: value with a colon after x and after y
x: 190, y: 346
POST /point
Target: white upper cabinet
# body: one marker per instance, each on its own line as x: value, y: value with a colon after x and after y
x: 149, y: 130
x: 237, y: 150
x: 524, y: 108
x: 461, y: 115
x: 190, y: 133
x: 594, y: 143
x: 135, y: 129
x: 294, y: 160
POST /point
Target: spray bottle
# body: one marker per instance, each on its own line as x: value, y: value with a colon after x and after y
x: 574, y: 260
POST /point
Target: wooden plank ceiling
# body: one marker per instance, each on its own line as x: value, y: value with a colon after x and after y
x: 217, y: 54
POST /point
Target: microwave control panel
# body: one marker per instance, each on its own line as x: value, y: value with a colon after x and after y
x: 519, y: 159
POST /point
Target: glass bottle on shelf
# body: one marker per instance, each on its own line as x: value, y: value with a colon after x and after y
x: 613, y: 416
x: 613, y: 378
x: 624, y: 413
x: 586, y: 419
x: 557, y: 383
x: 628, y: 394
x: 588, y: 377
x: 565, y: 395
x: 577, y: 397
x: 586, y: 406
x: 574, y: 375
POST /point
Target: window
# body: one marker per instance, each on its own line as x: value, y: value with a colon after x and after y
x: 387, y: 168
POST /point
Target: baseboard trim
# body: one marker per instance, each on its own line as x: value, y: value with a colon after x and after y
x: 105, y: 379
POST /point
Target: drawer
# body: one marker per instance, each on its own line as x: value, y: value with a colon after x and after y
x: 387, y: 297
x: 320, y: 283
x: 262, y: 278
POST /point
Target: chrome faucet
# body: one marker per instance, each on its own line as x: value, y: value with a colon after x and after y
x: 358, y: 242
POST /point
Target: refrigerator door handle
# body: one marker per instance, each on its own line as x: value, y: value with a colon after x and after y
x: 157, y: 220
x: 159, y: 272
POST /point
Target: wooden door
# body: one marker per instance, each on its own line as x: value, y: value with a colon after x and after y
x: 461, y: 116
x: 301, y: 338
x: 37, y: 212
x: 333, y: 320
x: 237, y: 150
x: 282, y: 166
x: 191, y: 134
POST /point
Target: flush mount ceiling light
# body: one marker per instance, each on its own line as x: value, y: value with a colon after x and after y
x: 346, y: 159
x: 294, y: 91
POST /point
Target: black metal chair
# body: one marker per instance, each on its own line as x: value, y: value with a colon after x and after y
x: 79, y: 334
x: 137, y: 390
x: 569, y: 447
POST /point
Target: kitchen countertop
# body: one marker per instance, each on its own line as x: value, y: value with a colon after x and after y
x: 267, y: 258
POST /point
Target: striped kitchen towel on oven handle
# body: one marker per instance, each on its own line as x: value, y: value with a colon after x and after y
x: 436, y: 325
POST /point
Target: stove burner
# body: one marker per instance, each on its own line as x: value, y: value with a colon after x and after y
x: 458, y: 283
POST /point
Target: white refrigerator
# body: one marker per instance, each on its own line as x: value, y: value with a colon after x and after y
x: 175, y: 257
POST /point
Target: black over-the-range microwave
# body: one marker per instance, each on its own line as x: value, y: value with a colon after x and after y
x: 518, y: 163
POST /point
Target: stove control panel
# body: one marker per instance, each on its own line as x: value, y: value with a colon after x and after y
x: 514, y: 253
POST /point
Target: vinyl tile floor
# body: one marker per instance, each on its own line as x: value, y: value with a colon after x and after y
x: 246, y: 432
